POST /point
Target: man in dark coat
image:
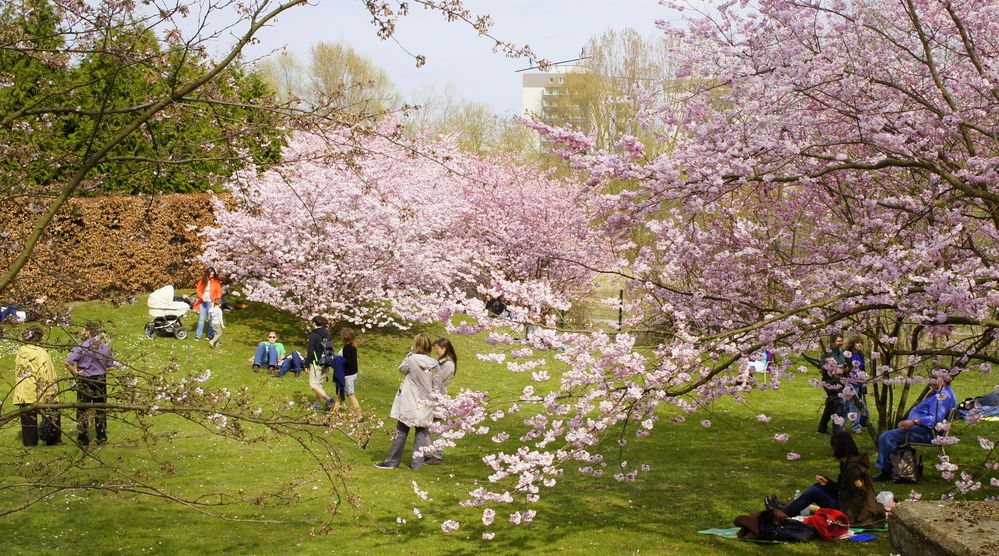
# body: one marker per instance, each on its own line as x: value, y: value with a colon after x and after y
x: 833, y: 367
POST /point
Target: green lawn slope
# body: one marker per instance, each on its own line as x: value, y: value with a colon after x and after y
x: 700, y: 477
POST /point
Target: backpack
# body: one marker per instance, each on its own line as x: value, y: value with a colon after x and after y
x: 496, y: 307
x: 49, y: 432
x: 829, y: 524
x: 768, y: 525
x: 906, y: 465
x: 325, y: 356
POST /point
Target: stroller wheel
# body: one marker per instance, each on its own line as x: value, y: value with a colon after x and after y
x: 150, y: 330
x: 180, y: 333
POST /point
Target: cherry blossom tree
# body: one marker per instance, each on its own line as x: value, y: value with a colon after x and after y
x: 188, y: 53
x: 383, y: 231
x: 831, y: 169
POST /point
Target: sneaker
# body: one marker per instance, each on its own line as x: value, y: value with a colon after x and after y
x: 256, y: 368
x: 317, y: 407
x: 432, y: 461
x: 385, y: 465
x: 329, y: 402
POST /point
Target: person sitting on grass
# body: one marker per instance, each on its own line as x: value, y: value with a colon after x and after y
x: 851, y: 493
x: 292, y: 363
x: 923, y: 418
x: 270, y: 353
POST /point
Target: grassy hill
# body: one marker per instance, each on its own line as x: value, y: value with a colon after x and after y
x: 700, y: 477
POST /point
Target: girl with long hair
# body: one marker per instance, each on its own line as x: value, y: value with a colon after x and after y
x: 447, y: 367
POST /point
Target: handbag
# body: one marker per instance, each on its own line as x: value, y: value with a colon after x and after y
x: 50, y: 432
x: 906, y: 464
x: 792, y: 530
x: 829, y: 524
x: 771, y: 525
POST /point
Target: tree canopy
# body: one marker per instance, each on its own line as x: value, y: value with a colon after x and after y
x: 79, y: 94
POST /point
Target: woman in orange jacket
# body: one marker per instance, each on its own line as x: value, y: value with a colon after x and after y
x: 209, y: 290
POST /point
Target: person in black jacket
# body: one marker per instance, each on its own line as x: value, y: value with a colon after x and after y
x: 852, y: 493
x: 315, y: 360
x: 349, y: 338
x: 833, y: 368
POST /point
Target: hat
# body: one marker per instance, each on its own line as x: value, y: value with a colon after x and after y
x: 749, y: 526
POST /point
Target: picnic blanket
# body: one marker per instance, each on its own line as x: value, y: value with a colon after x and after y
x: 733, y: 533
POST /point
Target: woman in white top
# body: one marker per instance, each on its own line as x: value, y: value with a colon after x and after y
x: 413, y: 406
x: 447, y: 361
x: 447, y: 367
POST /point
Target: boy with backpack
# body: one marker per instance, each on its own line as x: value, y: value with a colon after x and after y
x: 319, y: 358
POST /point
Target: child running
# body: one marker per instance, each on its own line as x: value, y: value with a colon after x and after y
x: 215, y: 323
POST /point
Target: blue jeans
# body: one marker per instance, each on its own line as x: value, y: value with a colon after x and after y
x: 292, y: 363
x: 823, y: 496
x: 7, y: 311
x: 889, y: 440
x: 266, y: 356
x: 203, y: 318
x: 860, y: 410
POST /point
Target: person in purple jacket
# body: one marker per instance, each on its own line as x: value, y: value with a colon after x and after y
x: 90, y: 362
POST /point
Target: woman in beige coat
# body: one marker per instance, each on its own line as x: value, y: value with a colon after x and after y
x: 413, y: 406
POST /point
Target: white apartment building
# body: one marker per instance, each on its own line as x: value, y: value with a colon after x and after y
x: 539, y: 89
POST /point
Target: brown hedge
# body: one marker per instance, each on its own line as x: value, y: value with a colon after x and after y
x: 100, y: 246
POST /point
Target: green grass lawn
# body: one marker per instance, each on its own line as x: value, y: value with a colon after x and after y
x: 700, y: 478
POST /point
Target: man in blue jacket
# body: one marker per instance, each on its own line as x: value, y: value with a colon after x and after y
x: 922, y: 419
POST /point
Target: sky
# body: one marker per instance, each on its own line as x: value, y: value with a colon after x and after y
x: 456, y: 55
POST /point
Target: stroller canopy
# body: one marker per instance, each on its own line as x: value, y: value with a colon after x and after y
x: 161, y: 298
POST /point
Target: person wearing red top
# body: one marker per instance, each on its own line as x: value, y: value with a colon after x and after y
x: 209, y: 291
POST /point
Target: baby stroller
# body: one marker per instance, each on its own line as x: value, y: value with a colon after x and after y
x: 166, y: 314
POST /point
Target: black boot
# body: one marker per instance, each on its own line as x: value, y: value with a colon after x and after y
x: 29, y: 427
